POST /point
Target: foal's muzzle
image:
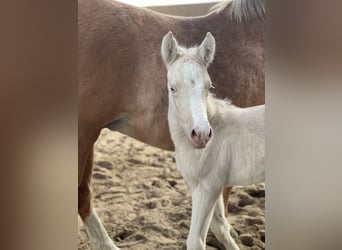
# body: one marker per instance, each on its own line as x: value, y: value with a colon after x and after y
x: 200, y: 137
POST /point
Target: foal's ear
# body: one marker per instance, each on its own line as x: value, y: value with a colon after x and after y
x: 169, y: 48
x: 207, y: 49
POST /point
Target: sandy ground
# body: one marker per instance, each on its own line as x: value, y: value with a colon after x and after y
x: 145, y: 204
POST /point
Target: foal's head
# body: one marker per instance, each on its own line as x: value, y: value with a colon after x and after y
x: 188, y: 86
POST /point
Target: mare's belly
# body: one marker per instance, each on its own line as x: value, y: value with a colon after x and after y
x: 143, y: 131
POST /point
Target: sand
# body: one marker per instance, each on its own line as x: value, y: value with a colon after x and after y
x: 145, y: 204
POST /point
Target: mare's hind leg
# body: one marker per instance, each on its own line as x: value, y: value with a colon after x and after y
x: 95, y: 229
x: 220, y: 227
x: 226, y: 193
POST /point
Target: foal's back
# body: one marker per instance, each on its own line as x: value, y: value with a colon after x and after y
x: 241, y: 135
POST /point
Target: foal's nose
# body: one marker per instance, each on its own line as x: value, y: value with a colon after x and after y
x: 200, y: 137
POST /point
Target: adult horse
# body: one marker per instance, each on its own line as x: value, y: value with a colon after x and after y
x: 122, y: 76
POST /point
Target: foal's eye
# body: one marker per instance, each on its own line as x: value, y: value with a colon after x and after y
x: 173, y: 89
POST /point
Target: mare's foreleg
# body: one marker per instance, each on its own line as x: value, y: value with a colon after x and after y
x: 203, y: 202
x: 220, y: 227
x: 96, y: 232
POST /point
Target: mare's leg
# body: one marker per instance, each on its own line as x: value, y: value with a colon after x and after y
x: 84, y: 186
x: 220, y: 227
x: 226, y: 194
x: 203, y: 202
x: 96, y: 232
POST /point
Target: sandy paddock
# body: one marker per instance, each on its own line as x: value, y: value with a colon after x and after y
x: 145, y: 204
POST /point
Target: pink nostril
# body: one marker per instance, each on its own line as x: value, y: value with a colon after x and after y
x: 210, y: 133
x: 193, y: 134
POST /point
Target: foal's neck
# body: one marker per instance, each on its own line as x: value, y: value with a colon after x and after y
x: 218, y: 110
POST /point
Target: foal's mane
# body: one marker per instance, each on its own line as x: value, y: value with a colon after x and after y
x: 241, y: 10
x: 219, y: 105
x: 219, y: 102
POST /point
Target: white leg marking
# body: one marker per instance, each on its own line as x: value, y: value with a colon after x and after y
x: 97, y: 233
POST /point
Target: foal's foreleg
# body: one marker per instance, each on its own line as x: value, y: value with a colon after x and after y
x: 203, y: 202
x: 220, y: 227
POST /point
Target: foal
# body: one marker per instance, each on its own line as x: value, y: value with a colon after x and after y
x: 216, y: 143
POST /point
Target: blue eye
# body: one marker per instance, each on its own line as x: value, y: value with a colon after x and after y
x: 173, y: 89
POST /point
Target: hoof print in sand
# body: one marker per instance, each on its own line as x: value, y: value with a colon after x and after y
x: 247, y: 239
x: 104, y: 164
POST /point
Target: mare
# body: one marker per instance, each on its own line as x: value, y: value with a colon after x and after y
x: 121, y: 75
x: 217, y: 144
